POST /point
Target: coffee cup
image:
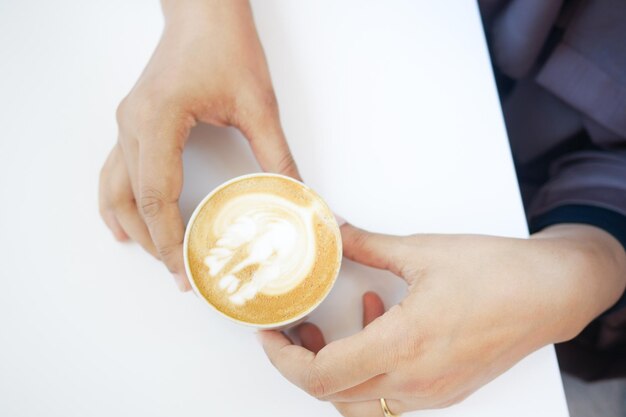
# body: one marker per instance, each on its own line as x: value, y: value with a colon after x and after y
x: 263, y: 250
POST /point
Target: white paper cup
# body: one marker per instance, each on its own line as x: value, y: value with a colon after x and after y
x: 278, y: 325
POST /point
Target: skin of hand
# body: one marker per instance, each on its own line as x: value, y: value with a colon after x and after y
x: 209, y: 66
x: 476, y: 305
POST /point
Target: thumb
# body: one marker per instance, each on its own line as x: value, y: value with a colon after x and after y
x: 374, y: 249
x: 267, y: 140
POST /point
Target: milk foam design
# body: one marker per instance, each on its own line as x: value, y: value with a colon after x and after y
x: 266, y: 232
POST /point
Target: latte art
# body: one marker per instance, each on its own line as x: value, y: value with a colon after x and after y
x: 271, y: 235
x: 263, y: 249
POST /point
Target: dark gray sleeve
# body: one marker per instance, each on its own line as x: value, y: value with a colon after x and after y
x: 593, y: 178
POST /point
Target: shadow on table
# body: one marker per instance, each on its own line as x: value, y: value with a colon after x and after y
x: 212, y: 155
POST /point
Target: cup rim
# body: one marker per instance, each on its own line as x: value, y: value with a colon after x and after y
x: 277, y: 325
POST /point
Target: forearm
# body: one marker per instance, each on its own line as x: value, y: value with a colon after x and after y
x: 593, y: 265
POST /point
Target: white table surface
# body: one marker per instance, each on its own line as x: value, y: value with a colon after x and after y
x: 392, y: 113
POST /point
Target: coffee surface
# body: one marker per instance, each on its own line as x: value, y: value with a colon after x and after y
x: 264, y: 249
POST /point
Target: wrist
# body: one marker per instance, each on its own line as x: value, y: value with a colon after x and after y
x: 587, y: 270
x: 198, y: 14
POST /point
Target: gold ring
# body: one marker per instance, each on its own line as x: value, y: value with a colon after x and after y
x: 386, y: 409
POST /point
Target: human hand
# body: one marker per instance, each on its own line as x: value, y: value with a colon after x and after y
x: 476, y: 305
x: 209, y: 66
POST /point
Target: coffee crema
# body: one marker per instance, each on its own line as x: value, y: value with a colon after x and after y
x: 263, y: 249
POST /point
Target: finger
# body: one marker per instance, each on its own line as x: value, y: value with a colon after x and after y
x: 160, y: 180
x: 374, y: 249
x: 355, y: 359
x: 267, y: 140
x: 380, y: 385
x: 373, y: 307
x: 129, y: 149
x: 311, y: 337
x: 371, y: 408
x: 111, y: 221
x: 125, y: 208
x: 372, y: 389
x: 341, y: 364
x: 313, y: 340
x: 132, y: 222
x: 105, y: 199
x: 289, y: 359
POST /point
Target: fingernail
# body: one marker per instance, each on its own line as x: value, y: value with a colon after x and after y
x: 181, y: 282
x: 340, y: 220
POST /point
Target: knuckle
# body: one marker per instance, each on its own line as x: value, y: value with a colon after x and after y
x: 150, y: 203
x: 141, y: 110
x: 121, y: 111
x: 264, y: 99
x: 316, y: 382
x: 134, y: 110
x: 268, y: 102
x: 166, y: 252
x: 287, y: 164
x: 411, y: 271
x: 258, y: 104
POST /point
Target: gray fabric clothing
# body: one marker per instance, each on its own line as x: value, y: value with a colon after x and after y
x: 578, y: 84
